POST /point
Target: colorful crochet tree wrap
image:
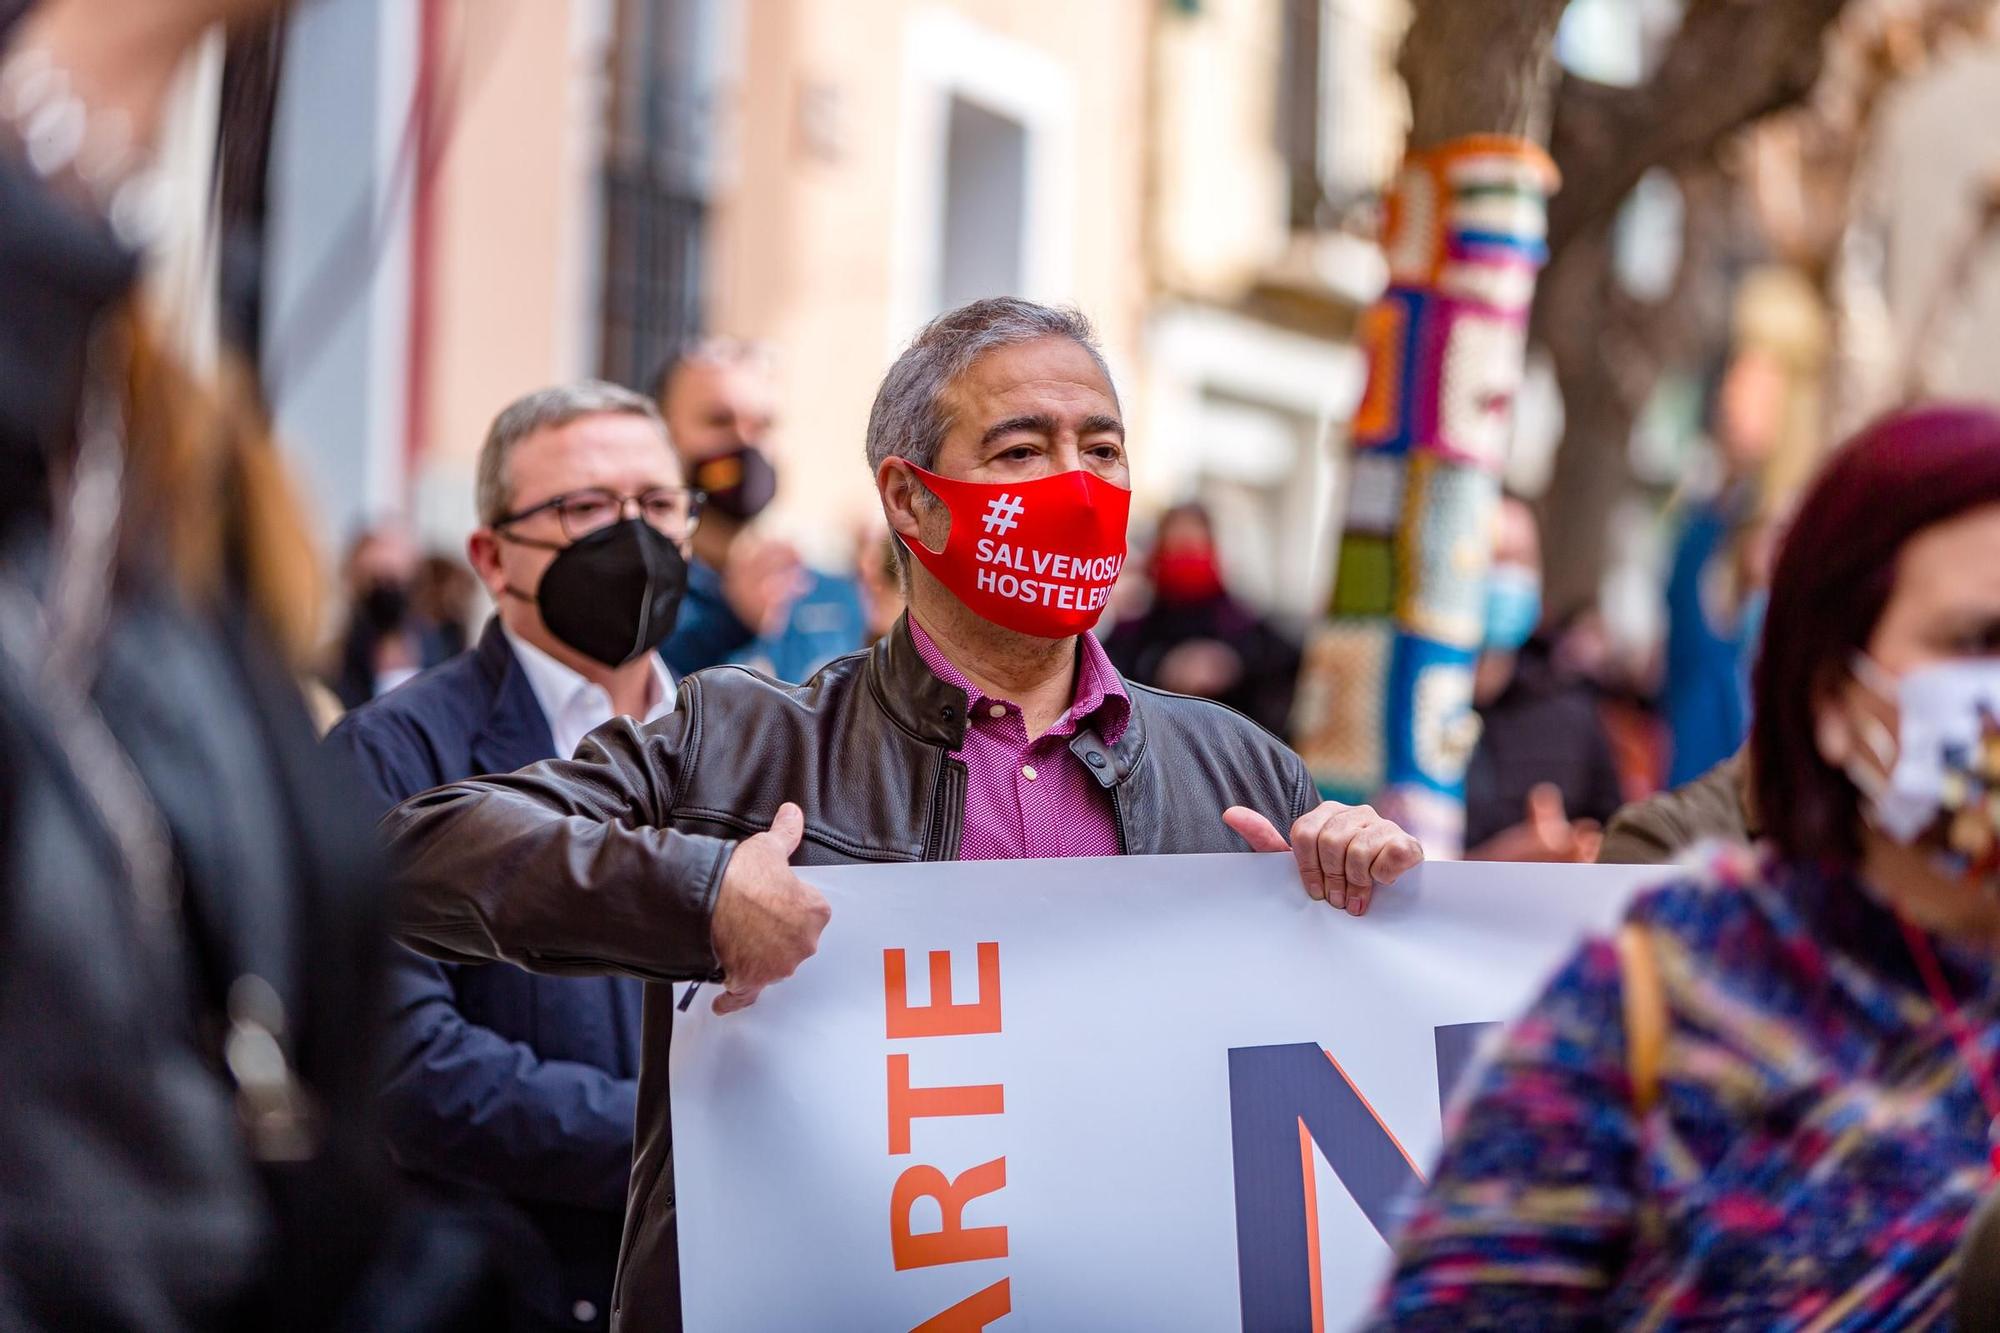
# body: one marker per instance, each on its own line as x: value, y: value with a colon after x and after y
x: 1385, y: 701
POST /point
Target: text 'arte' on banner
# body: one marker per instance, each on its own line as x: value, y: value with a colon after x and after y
x: 953, y: 1242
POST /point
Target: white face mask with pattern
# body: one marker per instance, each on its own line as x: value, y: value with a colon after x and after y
x: 1942, y: 764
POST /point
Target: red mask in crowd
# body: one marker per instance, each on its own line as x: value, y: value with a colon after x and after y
x: 1037, y: 557
x: 1183, y: 577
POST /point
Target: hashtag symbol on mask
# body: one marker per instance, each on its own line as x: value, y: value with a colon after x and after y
x: 1001, y: 514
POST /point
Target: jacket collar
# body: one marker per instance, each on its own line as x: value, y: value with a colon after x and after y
x: 933, y: 710
x: 515, y: 733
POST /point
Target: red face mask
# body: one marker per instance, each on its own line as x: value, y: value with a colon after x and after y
x: 1037, y: 557
x: 1187, y: 576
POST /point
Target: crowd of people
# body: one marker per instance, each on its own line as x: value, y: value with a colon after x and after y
x: 370, y: 1031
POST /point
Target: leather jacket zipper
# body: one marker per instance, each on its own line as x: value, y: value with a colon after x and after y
x: 934, y: 839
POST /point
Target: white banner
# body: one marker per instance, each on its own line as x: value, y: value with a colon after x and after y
x: 1163, y: 1092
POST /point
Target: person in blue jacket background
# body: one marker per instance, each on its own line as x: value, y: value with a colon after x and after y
x: 499, y: 1080
x: 750, y: 600
x: 1720, y: 573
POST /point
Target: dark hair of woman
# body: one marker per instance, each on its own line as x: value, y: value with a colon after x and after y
x: 1834, y: 575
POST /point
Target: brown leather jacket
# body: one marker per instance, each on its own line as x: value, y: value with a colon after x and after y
x: 610, y: 862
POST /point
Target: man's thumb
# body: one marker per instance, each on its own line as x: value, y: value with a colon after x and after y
x: 788, y: 826
x: 1254, y: 829
x: 1545, y: 806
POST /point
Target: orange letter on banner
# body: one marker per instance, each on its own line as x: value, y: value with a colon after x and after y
x: 907, y: 1103
x: 941, y: 1018
x: 951, y: 1243
x: 971, y: 1314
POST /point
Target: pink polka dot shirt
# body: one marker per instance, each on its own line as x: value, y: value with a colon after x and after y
x: 1035, y: 798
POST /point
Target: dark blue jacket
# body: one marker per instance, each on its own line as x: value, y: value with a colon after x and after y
x: 1707, y: 683
x: 497, y: 1078
x: 825, y: 621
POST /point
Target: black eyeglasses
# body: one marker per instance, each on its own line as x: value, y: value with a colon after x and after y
x: 674, y: 511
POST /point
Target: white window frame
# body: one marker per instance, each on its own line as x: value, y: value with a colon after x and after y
x: 1197, y: 351
x: 946, y: 55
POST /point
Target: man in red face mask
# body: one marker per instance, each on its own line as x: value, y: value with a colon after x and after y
x: 988, y: 723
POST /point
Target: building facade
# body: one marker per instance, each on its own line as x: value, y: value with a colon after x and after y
x: 1274, y: 126
x: 472, y: 201
x: 469, y: 201
x: 889, y: 159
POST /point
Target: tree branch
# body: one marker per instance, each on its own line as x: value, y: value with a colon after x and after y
x: 1607, y: 340
x: 1665, y: 329
x: 1731, y: 63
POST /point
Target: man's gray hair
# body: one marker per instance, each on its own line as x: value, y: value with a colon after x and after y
x: 547, y: 409
x: 909, y: 419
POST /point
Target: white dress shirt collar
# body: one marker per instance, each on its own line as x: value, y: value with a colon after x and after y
x: 573, y: 705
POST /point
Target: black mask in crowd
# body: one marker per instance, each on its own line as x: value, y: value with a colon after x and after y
x: 613, y: 595
x: 739, y: 484
x: 383, y: 606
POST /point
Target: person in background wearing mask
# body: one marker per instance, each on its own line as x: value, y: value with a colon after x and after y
x: 1771, y: 1101
x: 988, y: 725
x: 750, y: 599
x: 1543, y: 778
x: 388, y: 639
x: 499, y: 1079
x: 1195, y: 638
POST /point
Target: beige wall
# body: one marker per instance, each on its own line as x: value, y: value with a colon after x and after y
x: 514, y: 196
x: 811, y: 244
x: 1221, y: 193
x: 1221, y: 187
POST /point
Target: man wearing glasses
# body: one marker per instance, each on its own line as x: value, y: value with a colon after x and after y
x: 503, y: 1081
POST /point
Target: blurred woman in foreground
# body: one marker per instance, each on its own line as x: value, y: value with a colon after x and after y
x: 1771, y: 1101
x: 187, y: 941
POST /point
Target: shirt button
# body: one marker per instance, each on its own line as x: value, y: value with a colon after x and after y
x: 584, y: 1311
x: 997, y: 710
x: 1095, y: 759
x: 1028, y: 772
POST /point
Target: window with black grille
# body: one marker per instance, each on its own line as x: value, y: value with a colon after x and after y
x: 657, y: 165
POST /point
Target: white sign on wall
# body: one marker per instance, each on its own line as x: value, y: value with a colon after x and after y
x: 1149, y: 1093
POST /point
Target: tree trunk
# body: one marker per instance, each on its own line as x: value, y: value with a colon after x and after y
x: 1610, y: 351
x: 1592, y: 468
x: 1480, y: 67
x: 1386, y: 696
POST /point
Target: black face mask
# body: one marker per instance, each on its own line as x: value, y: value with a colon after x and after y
x: 613, y: 595
x: 739, y: 484
x: 383, y: 606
